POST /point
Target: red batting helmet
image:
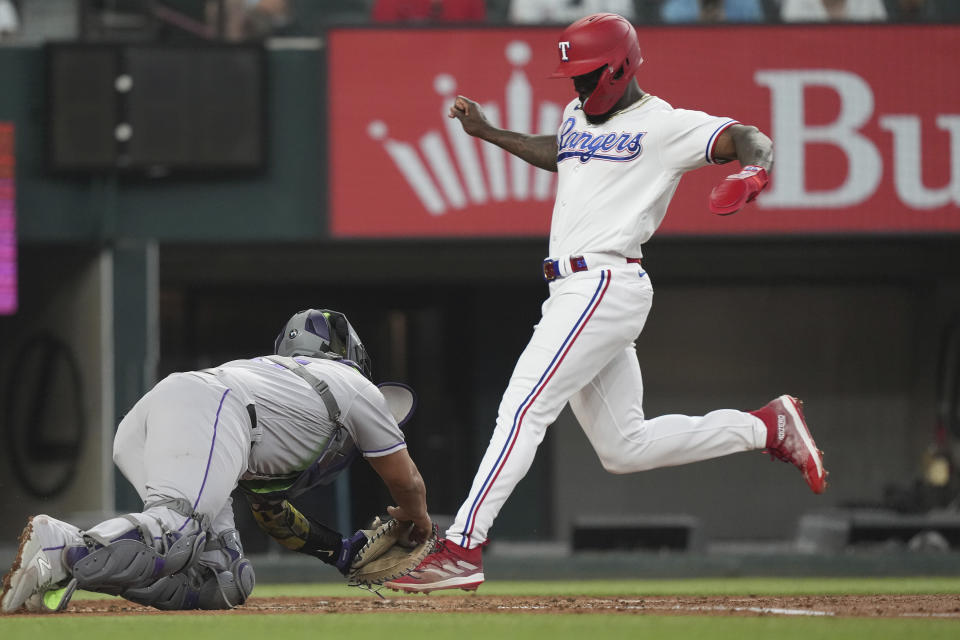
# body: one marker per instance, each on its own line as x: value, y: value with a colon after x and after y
x: 603, y: 39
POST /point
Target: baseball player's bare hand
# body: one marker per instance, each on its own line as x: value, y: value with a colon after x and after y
x: 422, y: 525
x: 470, y: 115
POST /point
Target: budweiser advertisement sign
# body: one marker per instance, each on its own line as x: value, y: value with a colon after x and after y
x: 865, y: 122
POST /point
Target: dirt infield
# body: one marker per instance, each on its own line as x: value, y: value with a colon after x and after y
x: 880, y: 606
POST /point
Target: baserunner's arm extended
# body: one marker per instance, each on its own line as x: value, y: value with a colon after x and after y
x: 538, y: 150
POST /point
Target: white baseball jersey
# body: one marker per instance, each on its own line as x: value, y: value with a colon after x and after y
x: 615, y: 182
x: 617, y: 178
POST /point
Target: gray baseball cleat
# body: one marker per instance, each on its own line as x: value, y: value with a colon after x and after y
x: 37, y: 580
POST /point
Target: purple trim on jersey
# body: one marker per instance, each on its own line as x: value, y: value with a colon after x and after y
x: 206, y: 471
x: 393, y: 446
x: 53, y: 548
x: 716, y: 135
x: 528, y: 401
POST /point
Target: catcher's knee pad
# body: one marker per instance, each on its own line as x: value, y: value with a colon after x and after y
x: 133, y: 560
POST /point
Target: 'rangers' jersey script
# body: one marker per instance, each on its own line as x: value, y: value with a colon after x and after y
x: 617, y: 178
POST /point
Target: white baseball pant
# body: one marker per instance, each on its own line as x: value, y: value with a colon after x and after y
x: 582, y: 352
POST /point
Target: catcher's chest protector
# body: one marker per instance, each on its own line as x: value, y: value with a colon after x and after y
x: 336, y: 456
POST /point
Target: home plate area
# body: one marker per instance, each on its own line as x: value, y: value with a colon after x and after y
x: 859, y: 606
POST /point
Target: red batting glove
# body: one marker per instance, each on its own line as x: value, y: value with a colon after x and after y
x: 737, y: 190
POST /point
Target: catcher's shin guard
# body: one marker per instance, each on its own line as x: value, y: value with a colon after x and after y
x: 228, y: 589
x: 222, y: 579
x: 172, y: 593
x: 231, y: 578
x: 198, y: 588
x: 130, y: 557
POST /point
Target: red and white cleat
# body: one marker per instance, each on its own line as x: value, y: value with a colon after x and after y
x: 789, y: 439
x: 449, y: 566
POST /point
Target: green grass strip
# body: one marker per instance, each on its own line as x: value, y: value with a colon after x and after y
x: 467, y: 626
x: 684, y: 587
x: 687, y: 587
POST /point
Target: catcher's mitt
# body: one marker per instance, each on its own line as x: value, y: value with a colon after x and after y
x: 389, y: 554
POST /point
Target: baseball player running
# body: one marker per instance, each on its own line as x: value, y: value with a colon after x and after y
x: 619, y: 153
x: 276, y: 426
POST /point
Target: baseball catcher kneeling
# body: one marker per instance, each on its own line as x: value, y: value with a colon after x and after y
x: 276, y: 426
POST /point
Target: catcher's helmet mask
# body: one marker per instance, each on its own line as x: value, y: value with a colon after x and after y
x: 323, y: 333
x: 604, y: 44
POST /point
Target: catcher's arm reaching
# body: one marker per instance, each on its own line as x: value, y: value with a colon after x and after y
x: 283, y: 522
x: 398, y: 546
x: 403, y: 480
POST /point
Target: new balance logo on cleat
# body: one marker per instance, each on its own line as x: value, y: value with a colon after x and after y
x: 44, y: 564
